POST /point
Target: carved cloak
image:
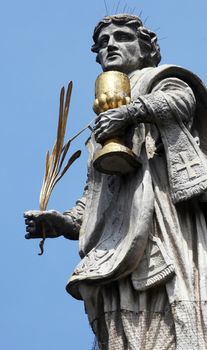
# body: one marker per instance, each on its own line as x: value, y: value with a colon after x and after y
x: 118, y: 221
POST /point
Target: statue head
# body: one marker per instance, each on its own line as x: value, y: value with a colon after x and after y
x: 123, y: 43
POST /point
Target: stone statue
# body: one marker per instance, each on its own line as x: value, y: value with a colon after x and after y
x: 143, y: 235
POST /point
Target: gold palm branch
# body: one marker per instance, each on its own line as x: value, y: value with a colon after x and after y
x: 54, y: 161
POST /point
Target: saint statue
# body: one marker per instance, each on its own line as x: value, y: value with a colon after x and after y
x: 143, y: 235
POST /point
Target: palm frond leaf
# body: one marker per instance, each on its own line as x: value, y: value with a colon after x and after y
x: 72, y: 159
x: 55, y: 160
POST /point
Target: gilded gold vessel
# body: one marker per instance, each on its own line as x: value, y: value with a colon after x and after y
x: 112, y: 90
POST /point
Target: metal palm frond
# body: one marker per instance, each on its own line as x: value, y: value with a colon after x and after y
x: 55, y: 160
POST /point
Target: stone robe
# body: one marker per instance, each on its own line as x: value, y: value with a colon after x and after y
x: 143, y: 238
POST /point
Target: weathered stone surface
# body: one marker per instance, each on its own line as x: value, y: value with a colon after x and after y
x: 143, y: 246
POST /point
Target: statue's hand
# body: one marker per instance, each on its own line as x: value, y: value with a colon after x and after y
x: 111, y: 124
x: 51, y: 222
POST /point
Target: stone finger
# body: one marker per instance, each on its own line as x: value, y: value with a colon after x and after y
x: 101, y: 137
x: 31, y: 223
x: 30, y: 229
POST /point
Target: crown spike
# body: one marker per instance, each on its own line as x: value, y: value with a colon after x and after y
x: 117, y: 6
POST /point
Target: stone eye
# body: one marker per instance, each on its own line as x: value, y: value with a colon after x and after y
x: 103, y: 43
x: 123, y: 37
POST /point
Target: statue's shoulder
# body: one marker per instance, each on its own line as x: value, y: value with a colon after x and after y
x: 150, y: 76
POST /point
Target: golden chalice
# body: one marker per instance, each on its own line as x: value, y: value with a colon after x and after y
x: 112, y: 90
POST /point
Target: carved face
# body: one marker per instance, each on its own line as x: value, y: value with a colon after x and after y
x: 119, y: 49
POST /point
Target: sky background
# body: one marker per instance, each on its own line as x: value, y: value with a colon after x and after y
x: 44, y: 44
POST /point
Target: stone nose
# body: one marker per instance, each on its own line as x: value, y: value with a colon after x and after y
x: 112, y: 43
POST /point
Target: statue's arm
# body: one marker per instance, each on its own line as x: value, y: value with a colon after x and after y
x: 76, y: 215
x: 169, y: 98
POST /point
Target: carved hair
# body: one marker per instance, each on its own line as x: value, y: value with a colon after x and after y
x: 147, y: 39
